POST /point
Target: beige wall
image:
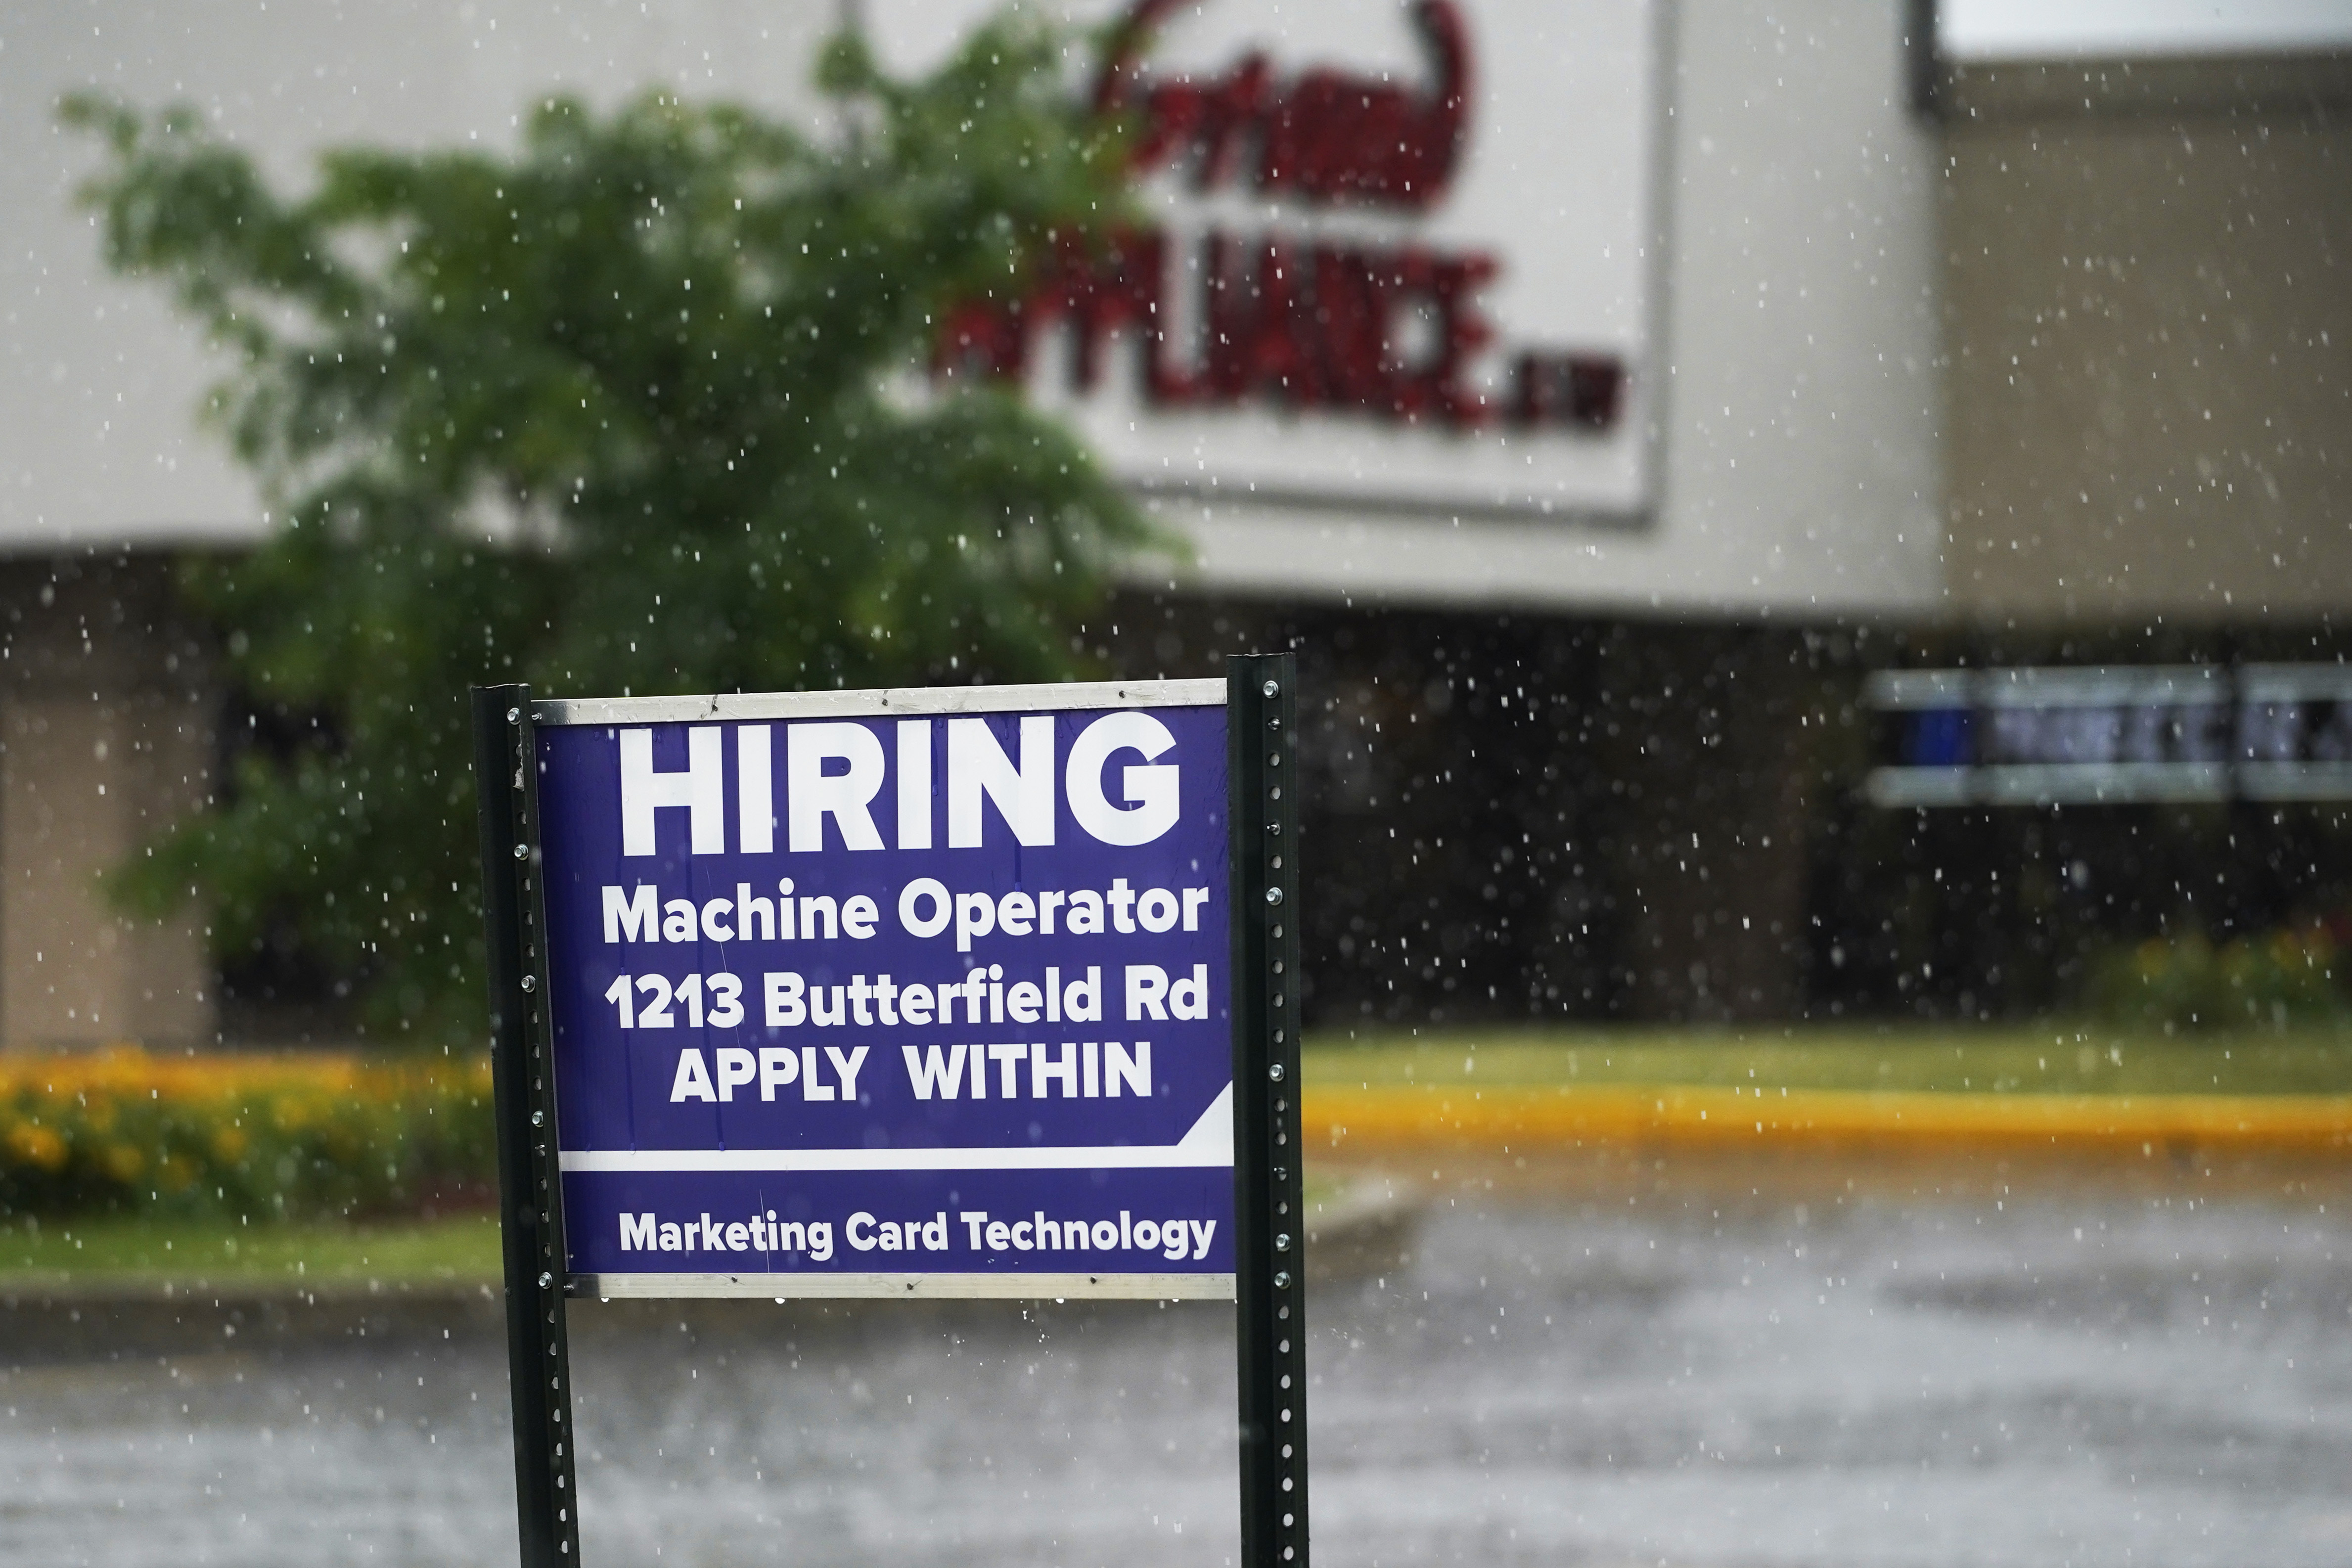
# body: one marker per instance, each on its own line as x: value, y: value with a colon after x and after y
x: 2148, y: 319
x: 105, y: 735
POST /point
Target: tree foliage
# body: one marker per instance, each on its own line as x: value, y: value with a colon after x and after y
x: 634, y: 408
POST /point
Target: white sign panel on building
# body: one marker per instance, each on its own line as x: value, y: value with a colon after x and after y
x: 1397, y: 254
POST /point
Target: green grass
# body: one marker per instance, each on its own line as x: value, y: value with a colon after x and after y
x: 118, y: 1252
x: 2050, y: 1059
x: 2047, y: 1059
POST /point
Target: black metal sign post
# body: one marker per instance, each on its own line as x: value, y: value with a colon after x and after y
x: 1269, y: 1264
x: 530, y: 1195
x: 1268, y: 1219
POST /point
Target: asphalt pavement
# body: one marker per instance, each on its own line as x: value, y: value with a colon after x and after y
x: 1557, y: 1374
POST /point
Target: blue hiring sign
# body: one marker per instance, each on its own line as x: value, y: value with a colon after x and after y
x: 892, y: 993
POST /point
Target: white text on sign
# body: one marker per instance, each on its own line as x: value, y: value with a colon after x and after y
x: 834, y: 771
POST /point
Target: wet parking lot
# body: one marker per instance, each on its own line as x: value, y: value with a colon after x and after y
x: 1721, y: 1376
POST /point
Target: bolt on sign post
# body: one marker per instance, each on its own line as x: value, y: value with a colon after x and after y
x: 967, y: 991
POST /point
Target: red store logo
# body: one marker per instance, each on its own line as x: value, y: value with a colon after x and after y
x: 1387, y: 331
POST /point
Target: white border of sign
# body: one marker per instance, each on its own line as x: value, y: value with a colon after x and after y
x: 1203, y: 1146
x: 909, y: 1287
x: 876, y: 704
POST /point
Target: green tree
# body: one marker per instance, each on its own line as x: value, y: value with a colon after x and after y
x: 635, y: 408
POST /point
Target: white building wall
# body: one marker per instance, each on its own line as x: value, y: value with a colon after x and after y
x: 100, y: 382
x: 1796, y: 374
x: 1802, y: 415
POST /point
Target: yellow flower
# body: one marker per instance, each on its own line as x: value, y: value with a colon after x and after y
x: 229, y: 1145
x: 36, y: 1145
x: 123, y: 1162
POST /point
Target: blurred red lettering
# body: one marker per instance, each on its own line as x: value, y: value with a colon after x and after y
x: 1392, y: 331
x: 1324, y: 135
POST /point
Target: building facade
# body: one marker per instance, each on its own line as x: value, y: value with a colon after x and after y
x: 1718, y: 358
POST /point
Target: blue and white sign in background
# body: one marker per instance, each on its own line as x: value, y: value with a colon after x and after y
x: 886, y: 992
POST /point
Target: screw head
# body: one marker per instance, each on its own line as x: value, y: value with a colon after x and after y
x: 1274, y: 895
x: 545, y: 1281
x: 1271, y: 688
x: 1282, y: 1278
x: 538, y: 1118
x: 1282, y: 1242
x: 1274, y: 1073
x: 522, y: 852
x: 530, y: 982
x: 514, y: 716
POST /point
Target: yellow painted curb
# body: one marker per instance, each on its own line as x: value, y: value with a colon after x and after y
x: 1526, y: 1119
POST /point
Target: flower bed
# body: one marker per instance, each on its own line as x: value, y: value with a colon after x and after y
x: 261, y: 1137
